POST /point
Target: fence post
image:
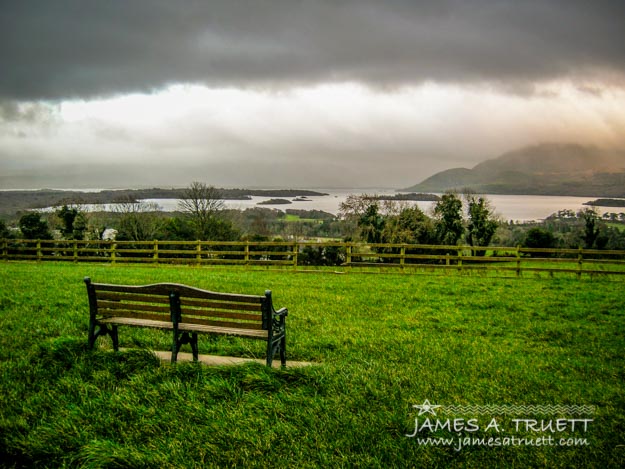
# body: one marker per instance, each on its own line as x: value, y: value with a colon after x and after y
x: 198, y: 249
x: 295, y: 253
x: 580, y: 257
x: 246, y: 253
x: 518, y: 261
x: 348, y: 255
x: 112, y: 251
x: 39, y: 254
x: 5, y: 249
x: 402, y: 259
x: 447, y: 261
x: 75, y: 250
x: 459, y: 260
x: 155, y: 255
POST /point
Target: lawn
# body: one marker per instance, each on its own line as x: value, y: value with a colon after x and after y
x: 479, y: 347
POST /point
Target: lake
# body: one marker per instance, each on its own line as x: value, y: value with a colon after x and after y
x: 509, y: 207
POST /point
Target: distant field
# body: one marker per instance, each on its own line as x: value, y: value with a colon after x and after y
x: 382, y: 344
x: 296, y: 218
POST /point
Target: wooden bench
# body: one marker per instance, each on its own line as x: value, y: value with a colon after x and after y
x: 186, y: 311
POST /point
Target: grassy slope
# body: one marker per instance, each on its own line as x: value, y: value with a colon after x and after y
x: 384, y: 343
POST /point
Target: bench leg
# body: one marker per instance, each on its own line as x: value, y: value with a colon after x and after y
x: 283, y: 350
x: 194, y: 346
x: 92, y: 335
x: 115, y: 338
x: 102, y: 330
x: 273, y: 346
x: 180, y: 340
x: 174, y: 348
x: 270, y: 352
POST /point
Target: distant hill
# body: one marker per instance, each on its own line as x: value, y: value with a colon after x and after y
x: 545, y: 169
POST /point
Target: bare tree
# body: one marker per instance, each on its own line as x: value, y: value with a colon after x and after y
x: 138, y: 220
x: 201, y: 203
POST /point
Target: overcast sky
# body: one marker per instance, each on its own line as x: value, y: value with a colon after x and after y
x: 298, y: 93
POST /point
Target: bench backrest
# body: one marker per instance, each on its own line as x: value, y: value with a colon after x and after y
x: 181, y: 303
x: 196, y: 306
x: 139, y: 302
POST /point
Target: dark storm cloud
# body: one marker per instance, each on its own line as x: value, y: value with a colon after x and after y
x: 58, y: 49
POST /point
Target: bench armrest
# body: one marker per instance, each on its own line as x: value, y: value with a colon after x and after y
x: 278, y: 322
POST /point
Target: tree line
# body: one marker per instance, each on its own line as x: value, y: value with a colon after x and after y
x: 567, y: 229
x: 455, y: 219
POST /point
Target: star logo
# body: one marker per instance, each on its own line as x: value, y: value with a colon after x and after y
x: 426, y: 408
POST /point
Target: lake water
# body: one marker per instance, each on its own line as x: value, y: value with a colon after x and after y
x: 509, y: 207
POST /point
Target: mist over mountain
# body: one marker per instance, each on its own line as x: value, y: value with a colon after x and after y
x: 544, y: 169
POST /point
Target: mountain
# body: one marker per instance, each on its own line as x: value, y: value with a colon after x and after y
x: 545, y: 169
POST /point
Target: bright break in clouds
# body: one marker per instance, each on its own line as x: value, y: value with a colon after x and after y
x: 283, y: 93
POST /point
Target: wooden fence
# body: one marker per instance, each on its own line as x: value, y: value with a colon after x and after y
x: 298, y: 254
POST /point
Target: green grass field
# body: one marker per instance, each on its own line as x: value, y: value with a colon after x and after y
x: 381, y: 343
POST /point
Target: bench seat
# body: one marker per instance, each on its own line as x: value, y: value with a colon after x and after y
x: 136, y: 322
x: 254, y: 334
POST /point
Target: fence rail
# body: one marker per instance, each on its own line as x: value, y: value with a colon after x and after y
x: 298, y: 254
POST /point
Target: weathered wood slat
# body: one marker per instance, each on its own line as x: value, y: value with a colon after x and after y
x: 228, y: 324
x: 209, y: 295
x: 116, y: 305
x: 222, y: 314
x: 156, y: 289
x: 129, y: 318
x: 255, y: 334
x: 237, y: 306
x: 114, y: 296
x: 183, y: 290
x: 137, y: 319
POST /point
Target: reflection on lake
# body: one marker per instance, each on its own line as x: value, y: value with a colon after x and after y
x: 509, y: 207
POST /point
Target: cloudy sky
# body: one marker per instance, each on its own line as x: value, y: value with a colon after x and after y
x: 298, y: 93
